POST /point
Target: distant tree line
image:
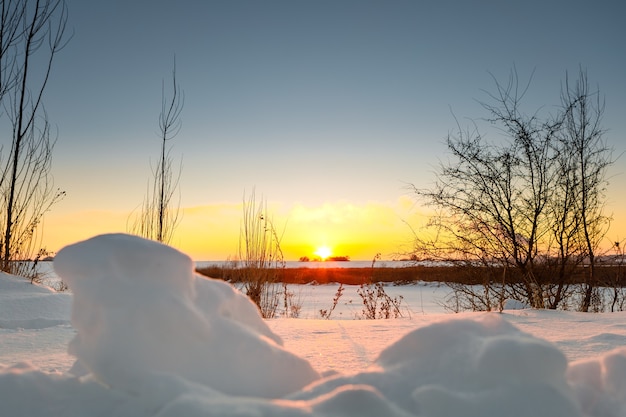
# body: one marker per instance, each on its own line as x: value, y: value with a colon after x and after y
x: 329, y: 259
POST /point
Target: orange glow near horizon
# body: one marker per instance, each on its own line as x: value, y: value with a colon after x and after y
x: 211, y: 232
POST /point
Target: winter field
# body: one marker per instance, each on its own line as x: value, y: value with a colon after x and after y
x: 141, y: 334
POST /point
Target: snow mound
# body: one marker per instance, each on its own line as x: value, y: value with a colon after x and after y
x: 600, y: 384
x: 140, y: 309
x: 30, y: 306
x: 511, y: 304
x: 483, y: 367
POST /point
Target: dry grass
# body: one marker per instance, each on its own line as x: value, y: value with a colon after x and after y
x: 357, y: 276
x: 347, y: 276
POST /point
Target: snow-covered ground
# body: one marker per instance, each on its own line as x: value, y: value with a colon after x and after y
x: 148, y: 337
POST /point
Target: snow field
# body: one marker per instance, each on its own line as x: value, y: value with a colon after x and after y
x: 152, y: 338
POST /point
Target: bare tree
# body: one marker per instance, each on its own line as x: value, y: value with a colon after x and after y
x: 518, y: 208
x: 158, y: 218
x: 583, y: 144
x: 31, y: 34
x: 492, y: 195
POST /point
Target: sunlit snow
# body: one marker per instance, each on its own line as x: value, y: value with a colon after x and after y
x: 149, y: 337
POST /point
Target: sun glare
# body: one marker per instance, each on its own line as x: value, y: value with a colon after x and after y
x: 323, y: 252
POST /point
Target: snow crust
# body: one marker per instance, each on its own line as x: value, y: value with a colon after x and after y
x: 155, y: 339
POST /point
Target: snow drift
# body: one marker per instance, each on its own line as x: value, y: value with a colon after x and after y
x: 140, y: 309
x: 18, y: 300
x: 155, y: 339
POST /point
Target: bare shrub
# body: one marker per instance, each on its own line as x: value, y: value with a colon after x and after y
x: 292, y: 302
x: 326, y: 313
x: 618, y: 294
x: 377, y: 304
x: 261, y: 257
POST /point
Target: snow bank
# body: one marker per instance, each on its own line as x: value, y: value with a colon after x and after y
x: 155, y: 339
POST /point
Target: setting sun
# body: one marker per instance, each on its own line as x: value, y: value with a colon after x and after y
x: 323, y: 252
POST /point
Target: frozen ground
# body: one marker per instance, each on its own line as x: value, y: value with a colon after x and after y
x: 159, y: 340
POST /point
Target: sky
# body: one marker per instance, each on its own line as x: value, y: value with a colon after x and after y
x: 326, y: 109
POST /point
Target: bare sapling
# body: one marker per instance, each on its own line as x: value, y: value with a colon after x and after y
x: 159, y: 217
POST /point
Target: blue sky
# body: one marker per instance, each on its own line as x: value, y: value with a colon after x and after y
x: 312, y: 102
